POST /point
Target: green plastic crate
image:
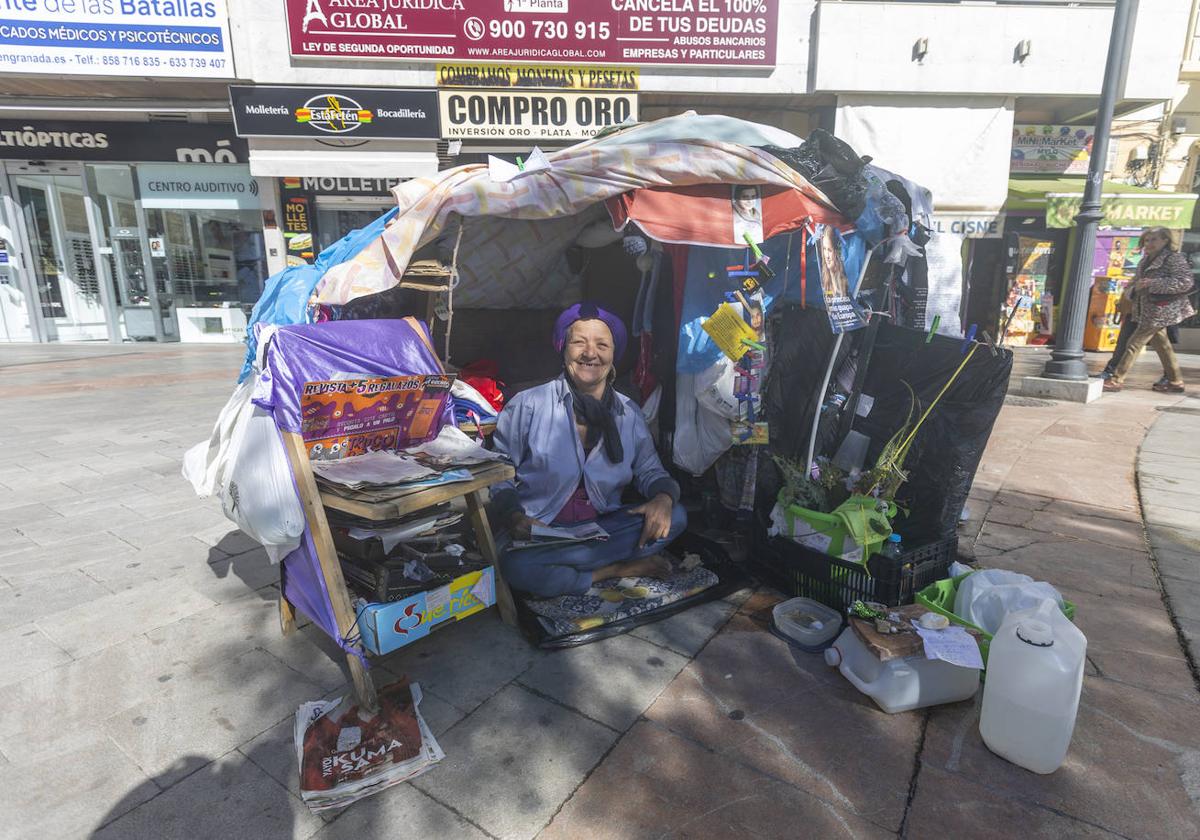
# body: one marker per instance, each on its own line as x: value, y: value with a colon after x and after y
x: 939, y: 597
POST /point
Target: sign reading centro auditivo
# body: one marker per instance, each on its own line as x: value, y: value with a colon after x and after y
x: 696, y: 33
x: 531, y: 115
x: 188, y: 38
x: 352, y: 113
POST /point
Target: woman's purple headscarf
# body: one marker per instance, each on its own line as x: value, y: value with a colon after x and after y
x: 587, y: 311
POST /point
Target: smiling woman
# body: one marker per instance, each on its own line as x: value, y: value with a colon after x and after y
x: 576, y: 445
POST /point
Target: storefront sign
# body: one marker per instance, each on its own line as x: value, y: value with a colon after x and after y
x: 162, y: 38
x: 537, y: 76
x: 1058, y: 149
x: 197, y: 187
x: 696, y: 33
x: 358, y: 113
x: 505, y: 115
x: 298, y: 229
x: 340, y: 186
x: 969, y: 225
x: 1125, y: 210
x: 119, y: 141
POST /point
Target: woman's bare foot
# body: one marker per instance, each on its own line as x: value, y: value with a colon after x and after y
x: 654, y: 566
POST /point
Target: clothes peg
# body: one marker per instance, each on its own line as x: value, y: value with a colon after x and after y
x: 969, y: 337
x: 937, y: 322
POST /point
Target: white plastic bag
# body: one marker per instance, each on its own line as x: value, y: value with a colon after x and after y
x: 206, y: 463
x: 259, y: 493
x: 243, y: 463
x: 714, y: 389
x: 987, y: 596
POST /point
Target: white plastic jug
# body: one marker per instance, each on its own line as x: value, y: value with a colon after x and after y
x: 899, y: 685
x: 1035, y: 673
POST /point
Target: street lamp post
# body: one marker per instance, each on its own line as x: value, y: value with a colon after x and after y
x: 1066, y: 362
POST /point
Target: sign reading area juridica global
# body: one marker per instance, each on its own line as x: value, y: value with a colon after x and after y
x: 162, y: 38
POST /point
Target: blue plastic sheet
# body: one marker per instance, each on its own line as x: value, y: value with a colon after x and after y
x: 285, y: 298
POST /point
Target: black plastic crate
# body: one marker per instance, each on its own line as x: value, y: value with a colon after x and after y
x: 797, y: 570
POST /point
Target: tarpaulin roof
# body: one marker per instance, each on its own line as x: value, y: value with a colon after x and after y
x: 672, y: 152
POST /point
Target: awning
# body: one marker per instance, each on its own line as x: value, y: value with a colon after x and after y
x: 1124, y: 205
x: 273, y: 158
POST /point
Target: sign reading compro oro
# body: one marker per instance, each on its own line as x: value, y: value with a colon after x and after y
x: 537, y: 76
x: 504, y: 115
x: 1125, y: 210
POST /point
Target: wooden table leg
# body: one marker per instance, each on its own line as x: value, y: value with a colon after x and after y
x: 287, y: 615
x: 487, y: 547
x: 331, y: 568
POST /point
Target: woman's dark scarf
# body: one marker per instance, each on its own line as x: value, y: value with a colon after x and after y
x: 599, y: 416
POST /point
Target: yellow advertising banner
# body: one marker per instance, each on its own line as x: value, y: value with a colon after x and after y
x: 537, y: 76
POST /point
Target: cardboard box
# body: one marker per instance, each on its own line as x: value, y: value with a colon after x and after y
x: 387, y: 627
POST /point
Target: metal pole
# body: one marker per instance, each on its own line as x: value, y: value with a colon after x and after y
x: 1066, y: 362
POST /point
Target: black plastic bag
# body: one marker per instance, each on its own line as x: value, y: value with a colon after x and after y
x: 831, y: 166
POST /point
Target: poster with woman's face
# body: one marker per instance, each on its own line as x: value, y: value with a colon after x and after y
x: 844, y: 314
x: 747, y: 213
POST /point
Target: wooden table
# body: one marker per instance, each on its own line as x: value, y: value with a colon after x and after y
x: 363, y: 505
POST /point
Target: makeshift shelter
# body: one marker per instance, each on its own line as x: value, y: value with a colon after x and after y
x: 679, y: 225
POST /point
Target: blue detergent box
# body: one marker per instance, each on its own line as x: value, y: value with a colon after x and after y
x: 388, y: 627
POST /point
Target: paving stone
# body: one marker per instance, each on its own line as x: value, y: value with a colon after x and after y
x: 32, y: 599
x: 1184, y: 565
x: 39, y: 561
x: 612, y: 681
x: 1007, y: 537
x: 1106, y: 531
x: 103, y: 622
x: 1130, y: 768
x: 72, y: 791
x: 403, y: 805
x: 946, y: 799
x: 1132, y: 640
x: 1184, y: 596
x: 27, y: 651
x: 76, y: 695
x: 1024, y: 501
x: 147, y: 532
x: 311, y: 652
x: 26, y: 514
x: 467, y: 662
x: 1007, y: 515
x: 96, y: 483
x: 229, y: 797
x: 511, y: 764
x: 213, y: 635
x: 13, y: 541
x: 799, y: 725
x: 647, y: 788
x: 209, y: 711
x: 225, y: 537
x: 687, y: 632
x: 1086, y: 566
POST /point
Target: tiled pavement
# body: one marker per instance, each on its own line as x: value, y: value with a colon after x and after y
x: 145, y: 690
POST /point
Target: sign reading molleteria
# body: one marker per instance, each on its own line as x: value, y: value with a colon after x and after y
x: 537, y: 76
x: 330, y: 185
x: 695, y: 33
x: 324, y: 112
x: 190, y: 186
x: 119, y: 141
x: 532, y: 115
x: 1125, y: 210
x: 161, y: 38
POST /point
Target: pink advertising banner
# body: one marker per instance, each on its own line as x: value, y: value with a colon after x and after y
x: 696, y: 33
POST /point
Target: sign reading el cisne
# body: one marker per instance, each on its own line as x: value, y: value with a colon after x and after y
x: 691, y: 33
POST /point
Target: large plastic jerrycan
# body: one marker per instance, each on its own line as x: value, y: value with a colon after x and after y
x: 1031, y: 695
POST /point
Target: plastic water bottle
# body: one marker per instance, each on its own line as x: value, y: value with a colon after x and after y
x: 892, y: 549
x: 1034, y: 676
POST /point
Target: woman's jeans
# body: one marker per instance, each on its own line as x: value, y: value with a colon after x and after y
x: 546, y: 571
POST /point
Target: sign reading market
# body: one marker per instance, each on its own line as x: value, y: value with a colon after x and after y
x: 688, y: 33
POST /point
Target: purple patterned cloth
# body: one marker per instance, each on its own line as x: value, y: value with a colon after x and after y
x: 314, y: 352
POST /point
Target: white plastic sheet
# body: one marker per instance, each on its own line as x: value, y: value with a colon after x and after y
x: 987, y: 596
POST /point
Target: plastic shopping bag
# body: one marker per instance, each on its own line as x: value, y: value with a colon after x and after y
x: 259, y: 493
x: 987, y: 596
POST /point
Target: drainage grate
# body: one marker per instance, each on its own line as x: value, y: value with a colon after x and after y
x: 1026, y: 402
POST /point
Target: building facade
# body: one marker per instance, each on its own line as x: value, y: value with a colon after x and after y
x: 168, y: 227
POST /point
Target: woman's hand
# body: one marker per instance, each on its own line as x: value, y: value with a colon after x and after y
x: 521, y: 526
x: 658, y: 518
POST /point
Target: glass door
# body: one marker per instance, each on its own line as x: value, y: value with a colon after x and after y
x: 60, y: 256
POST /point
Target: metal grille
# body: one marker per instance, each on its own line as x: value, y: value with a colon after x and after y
x: 186, y: 269
x: 83, y: 267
